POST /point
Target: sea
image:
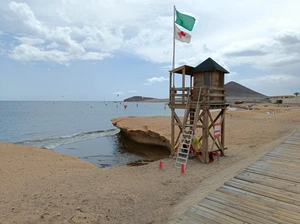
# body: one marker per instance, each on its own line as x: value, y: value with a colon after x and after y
x: 77, y: 128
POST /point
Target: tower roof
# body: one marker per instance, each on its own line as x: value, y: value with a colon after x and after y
x: 209, y: 65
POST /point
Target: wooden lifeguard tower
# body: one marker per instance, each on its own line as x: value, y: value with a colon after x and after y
x: 201, y: 96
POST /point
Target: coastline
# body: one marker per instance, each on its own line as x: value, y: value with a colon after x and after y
x: 41, y: 186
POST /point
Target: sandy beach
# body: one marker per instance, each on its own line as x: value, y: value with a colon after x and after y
x: 41, y: 186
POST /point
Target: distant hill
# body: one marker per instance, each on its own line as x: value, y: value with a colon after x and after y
x: 138, y: 98
x: 144, y: 99
x: 236, y: 91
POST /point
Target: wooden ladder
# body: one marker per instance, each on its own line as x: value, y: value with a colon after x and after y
x: 189, y: 124
x: 183, y: 149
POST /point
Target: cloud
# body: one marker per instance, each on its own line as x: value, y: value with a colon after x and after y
x: 25, y: 16
x: 30, y: 41
x: 25, y: 52
x: 155, y: 80
x: 39, y: 42
x: 94, y: 56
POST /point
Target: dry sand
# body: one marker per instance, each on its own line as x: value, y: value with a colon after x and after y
x: 41, y: 186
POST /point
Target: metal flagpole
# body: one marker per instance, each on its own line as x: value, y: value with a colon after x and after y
x: 173, y: 66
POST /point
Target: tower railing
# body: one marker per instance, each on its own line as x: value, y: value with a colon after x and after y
x: 208, y: 95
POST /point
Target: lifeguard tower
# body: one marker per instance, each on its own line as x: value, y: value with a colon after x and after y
x: 201, y: 96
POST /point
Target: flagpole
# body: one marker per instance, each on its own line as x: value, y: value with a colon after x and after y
x: 173, y: 65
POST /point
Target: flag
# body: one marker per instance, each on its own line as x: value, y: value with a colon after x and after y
x: 185, y: 21
x: 182, y: 36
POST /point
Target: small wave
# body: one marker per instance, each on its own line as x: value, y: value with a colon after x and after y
x: 51, y: 143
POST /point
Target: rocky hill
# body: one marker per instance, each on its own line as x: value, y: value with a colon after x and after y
x: 234, y: 92
x: 138, y: 99
x: 238, y: 92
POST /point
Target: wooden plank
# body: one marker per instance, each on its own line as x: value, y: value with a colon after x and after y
x: 291, y: 142
x: 282, y: 156
x: 289, y: 146
x: 284, y: 146
x: 213, y: 88
x: 197, y: 217
x: 181, y: 89
x: 281, y: 161
x: 234, y: 212
x: 214, y: 216
x: 288, y: 151
x: 270, y: 192
x: 186, y: 219
x: 263, y: 210
x: 214, y: 94
x: 294, y: 137
x: 262, y: 165
x: 269, y: 181
x: 238, y: 194
x: 274, y: 174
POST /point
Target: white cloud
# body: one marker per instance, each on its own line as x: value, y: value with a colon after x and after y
x: 155, y: 80
x: 30, y: 41
x: 93, y: 43
x: 25, y: 16
x: 25, y: 52
x: 94, y: 56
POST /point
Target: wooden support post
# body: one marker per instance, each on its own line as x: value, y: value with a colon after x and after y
x: 172, y: 130
x: 205, y: 137
x: 223, y: 132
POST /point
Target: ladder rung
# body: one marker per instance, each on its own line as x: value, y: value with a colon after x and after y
x: 184, y: 144
x: 185, y: 140
x: 182, y: 154
x: 187, y: 134
x: 182, y: 158
x: 183, y: 148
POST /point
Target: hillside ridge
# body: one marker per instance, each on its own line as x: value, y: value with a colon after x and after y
x: 234, y: 92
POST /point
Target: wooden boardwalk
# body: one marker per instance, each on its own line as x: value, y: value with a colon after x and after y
x: 268, y: 191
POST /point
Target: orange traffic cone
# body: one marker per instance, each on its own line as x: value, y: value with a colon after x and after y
x: 182, y: 169
x: 160, y: 164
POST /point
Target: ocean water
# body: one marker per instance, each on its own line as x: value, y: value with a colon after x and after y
x: 82, y: 129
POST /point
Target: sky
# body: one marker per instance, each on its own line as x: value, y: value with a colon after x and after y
x: 114, y: 49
